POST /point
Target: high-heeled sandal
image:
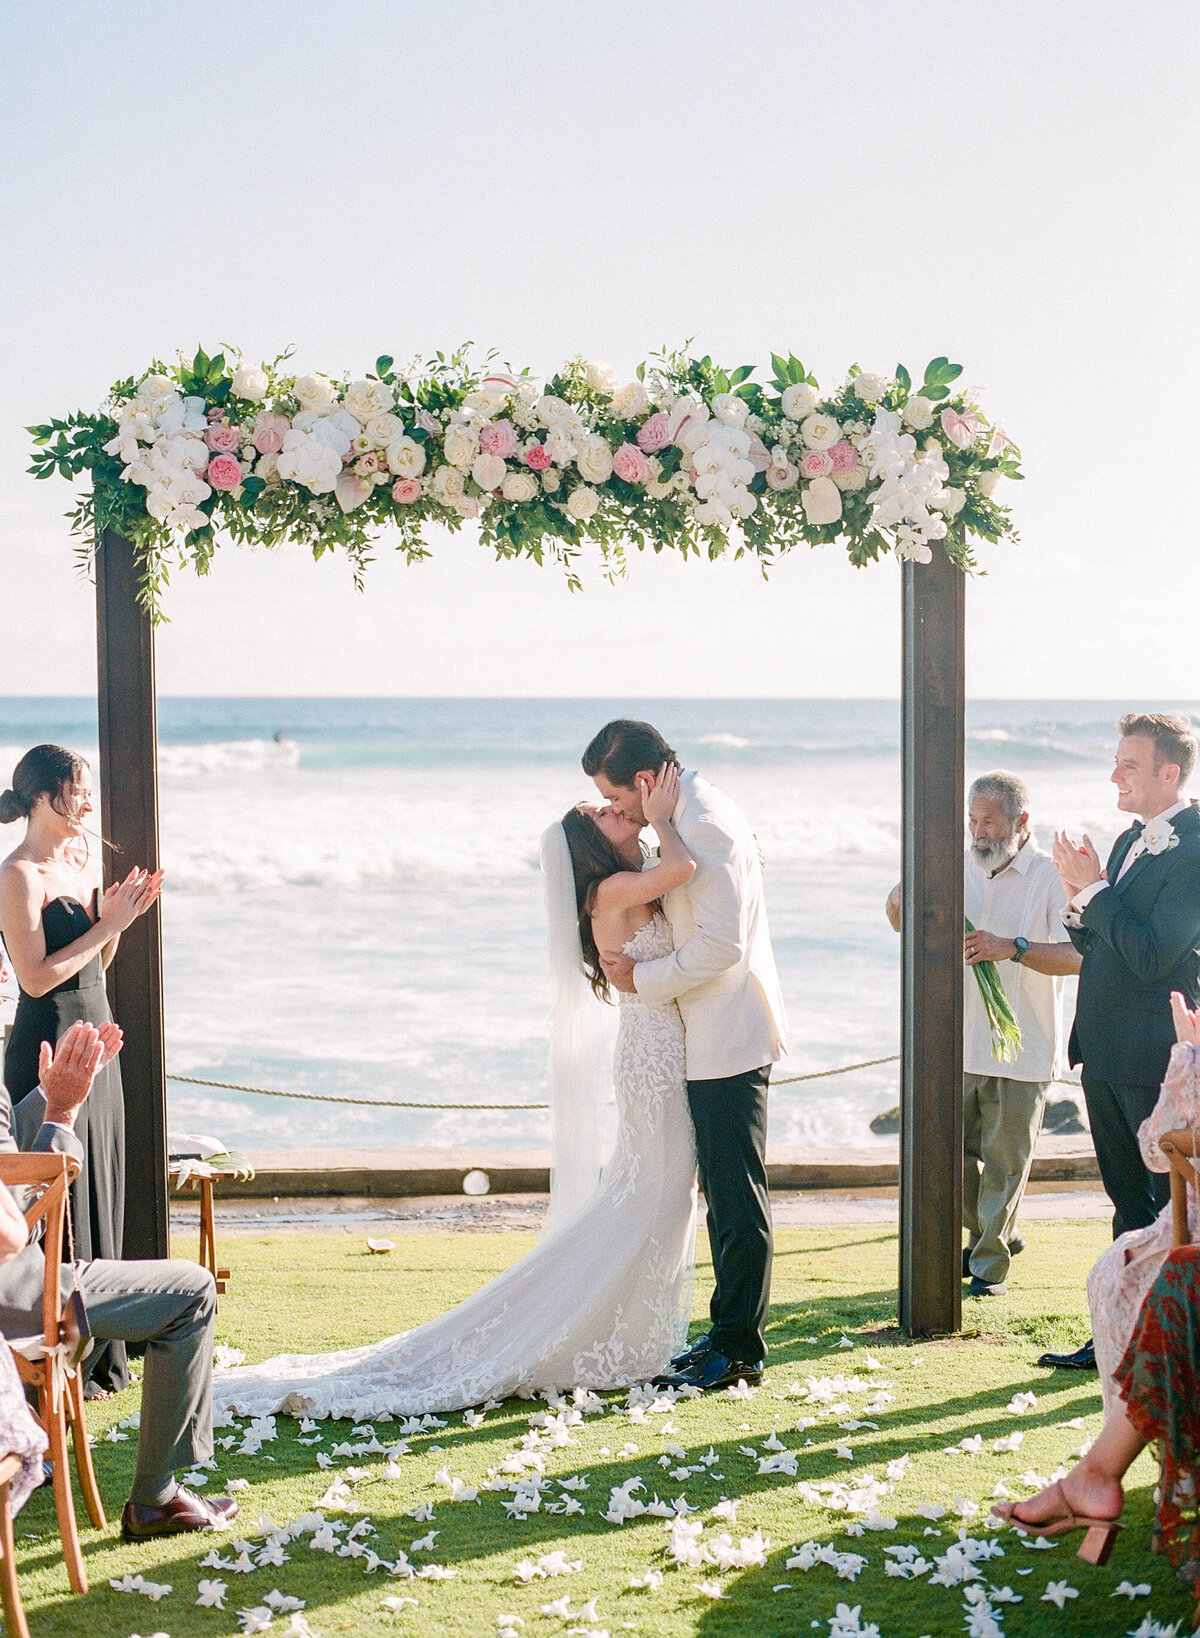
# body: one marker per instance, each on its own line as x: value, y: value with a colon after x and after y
x: 1099, y: 1539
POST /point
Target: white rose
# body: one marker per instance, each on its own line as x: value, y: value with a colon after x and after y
x: 488, y: 471
x: 406, y: 457
x: 367, y: 399
x: 856, y: 478
x: 551, y: 480
x: 822, y: 501
x: 820, y: 432
x: 519, y: 486
x: 800, y: 400
x: 315, y: 392
x: 657, y: 490
x: 986, y: 482
x: 267, y: 468
x: 551, y: 409
x: 460, y: 445
x: 250, y: 382
x: 448, y: 485
x: 729, y: 409
x: 629, y: 401
x: 602, y: 378
x: 869, y: 387
x: 950, y: 502
x: 594, y: 461
x: 582, y: 503
x: 918, y: 413
x: 384, y: 429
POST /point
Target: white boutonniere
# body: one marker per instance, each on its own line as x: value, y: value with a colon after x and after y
x: 1159, y: 836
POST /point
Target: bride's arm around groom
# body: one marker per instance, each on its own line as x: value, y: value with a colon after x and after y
x: 722, y: 970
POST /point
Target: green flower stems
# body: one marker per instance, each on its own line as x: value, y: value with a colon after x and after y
x: 1006, y: 1032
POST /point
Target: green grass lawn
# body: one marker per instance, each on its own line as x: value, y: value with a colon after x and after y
x: 313, y: 1291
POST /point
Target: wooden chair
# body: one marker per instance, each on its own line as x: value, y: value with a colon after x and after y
x: 1182, y: 1149
x: 15, y: 1625
x: 60, y: 1397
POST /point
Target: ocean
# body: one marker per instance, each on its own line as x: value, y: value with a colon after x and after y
x: 353, y: 906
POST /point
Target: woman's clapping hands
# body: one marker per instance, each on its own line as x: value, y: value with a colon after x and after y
x: 1187, y: 1022
x: 125, y: 901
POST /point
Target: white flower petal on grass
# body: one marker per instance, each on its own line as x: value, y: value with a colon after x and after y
x: 395, y: 1604
x: 212, y: 1594
x: 1057, y: 1593
x: 283, y: 1603
x: 1021, y: 1402
x: 560, y: 1607
x: 224, y: 1356
x: 255, y: 1620
x: 436, y: 1572
x: 710, y: 1589
x: 425, y: 1544
x: 740, y: 1390
x: 234, y: 1485
x: 843, y: 1451
x: 1127, y: 1589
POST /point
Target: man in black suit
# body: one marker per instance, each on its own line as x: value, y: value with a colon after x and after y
x: 1137, y: 925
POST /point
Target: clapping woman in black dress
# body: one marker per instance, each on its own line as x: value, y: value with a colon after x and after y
x: 61, y: 932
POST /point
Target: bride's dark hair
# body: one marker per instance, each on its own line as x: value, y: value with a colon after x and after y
x: 593, y: 860
x: 46, y: 770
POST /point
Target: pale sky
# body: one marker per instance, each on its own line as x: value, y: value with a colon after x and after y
x: 1014, y: 186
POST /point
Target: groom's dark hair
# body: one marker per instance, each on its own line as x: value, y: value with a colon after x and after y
x: 623, y: 749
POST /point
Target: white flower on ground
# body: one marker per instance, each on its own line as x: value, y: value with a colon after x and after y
x: 395, y: 1603
x: 1020, y: 1403
x: 212, y: 1594
x: 561, y: 1607
x: 1057, y: 1593
x: 256, y: 1620
x: 436, y: 1572
x: 651, y: 1581
x: 711, y: 1589
x: 1127, y: 1589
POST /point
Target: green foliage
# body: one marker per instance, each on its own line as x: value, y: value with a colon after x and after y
x: 113, y: 450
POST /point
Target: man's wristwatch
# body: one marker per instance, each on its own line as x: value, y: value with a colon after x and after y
x: 1018, y: 955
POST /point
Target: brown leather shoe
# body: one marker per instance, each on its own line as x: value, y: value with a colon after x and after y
x: 185, y: 1511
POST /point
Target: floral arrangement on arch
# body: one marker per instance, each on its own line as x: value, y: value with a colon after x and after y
x: 685, y: 455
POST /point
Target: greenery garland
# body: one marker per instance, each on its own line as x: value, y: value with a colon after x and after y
x: 687, y: 456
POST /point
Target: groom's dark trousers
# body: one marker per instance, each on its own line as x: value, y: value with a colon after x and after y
x: 730, y: 1120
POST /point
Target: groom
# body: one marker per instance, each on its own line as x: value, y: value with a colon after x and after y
x: 722, y: 975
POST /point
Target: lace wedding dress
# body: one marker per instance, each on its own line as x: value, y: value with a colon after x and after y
x: 601, y: 1302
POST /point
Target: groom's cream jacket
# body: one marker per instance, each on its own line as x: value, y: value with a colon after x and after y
x: 722, y: 970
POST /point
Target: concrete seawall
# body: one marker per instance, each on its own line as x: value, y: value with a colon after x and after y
x: 396, y: 1173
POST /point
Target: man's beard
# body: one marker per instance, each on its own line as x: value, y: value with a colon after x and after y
x: 994, y: 856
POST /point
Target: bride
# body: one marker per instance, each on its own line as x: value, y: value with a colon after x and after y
x: 604, y: 1298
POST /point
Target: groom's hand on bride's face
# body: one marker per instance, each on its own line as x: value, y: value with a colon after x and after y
x: 618, y: 969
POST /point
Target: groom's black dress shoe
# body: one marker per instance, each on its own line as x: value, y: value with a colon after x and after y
x: 1015, y: 1247
x: 1083, y: 1359
x: 691, y: 1356
x: 713, y: 1370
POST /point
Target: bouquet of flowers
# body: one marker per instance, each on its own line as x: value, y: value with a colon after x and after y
x: 1006, y: 1032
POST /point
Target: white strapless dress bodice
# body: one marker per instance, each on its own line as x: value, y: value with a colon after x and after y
x: 602, y: 1302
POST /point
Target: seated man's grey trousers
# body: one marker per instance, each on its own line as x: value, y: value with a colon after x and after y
x: 170, y: 1306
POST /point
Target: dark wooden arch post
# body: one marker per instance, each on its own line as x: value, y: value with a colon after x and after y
x: 934, y: 713
x: 129, y: 815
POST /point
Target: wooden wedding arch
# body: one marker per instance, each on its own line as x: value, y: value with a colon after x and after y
x: 128, y: 561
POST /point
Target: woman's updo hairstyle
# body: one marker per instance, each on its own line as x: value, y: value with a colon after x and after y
x: 46, y: 770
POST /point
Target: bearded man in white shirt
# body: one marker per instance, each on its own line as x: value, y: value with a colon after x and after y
x: 1014, y: 900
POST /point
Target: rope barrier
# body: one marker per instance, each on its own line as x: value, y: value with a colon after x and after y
x: 394, y: 1103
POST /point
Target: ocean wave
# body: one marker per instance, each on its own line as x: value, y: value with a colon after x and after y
x: 228, y: 756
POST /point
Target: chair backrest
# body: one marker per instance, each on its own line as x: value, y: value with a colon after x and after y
x: 1182, y: 1150
x: 50, y: 1174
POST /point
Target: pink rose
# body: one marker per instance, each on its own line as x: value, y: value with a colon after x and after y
x: 960, y: 429
x: 818, y: 463
x: 225, y: 439
x: 407, y: 490
x: 630, y: 465
x: 782, y: 477
x: 759, y: 455
x: 844, y: 456
x: 215, y: 413
x: 498, y: 438
x: 654, y: 434
x: 537, y: 458
x: 268, y: 432
x: 224, y: 472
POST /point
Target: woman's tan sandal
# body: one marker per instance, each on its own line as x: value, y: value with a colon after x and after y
x: 1098, y: 1542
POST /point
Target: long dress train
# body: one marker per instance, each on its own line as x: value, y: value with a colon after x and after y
x: 601, y: 1302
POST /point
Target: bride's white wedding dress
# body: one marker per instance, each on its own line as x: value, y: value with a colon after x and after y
x: 602, y: 1302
